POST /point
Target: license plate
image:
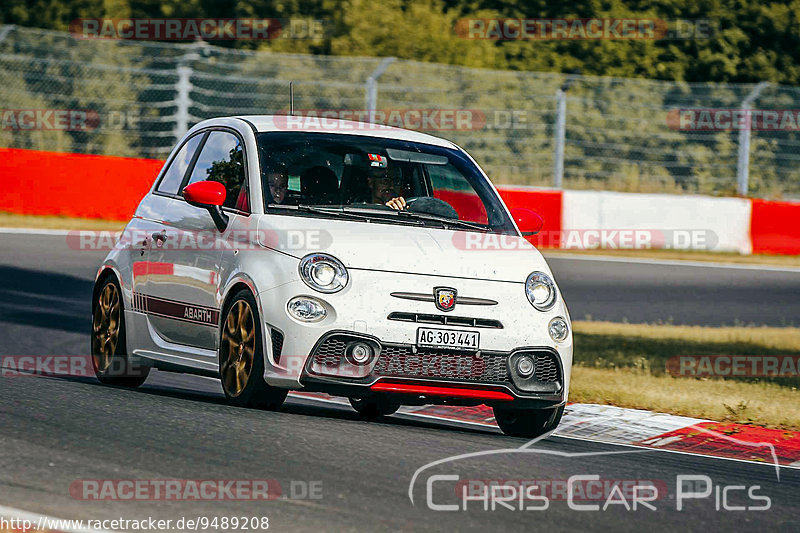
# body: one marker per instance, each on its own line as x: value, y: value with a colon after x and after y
x: 447, y: 338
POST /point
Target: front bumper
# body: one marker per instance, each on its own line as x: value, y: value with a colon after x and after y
x: 373, y: 315
x: 414, y: 375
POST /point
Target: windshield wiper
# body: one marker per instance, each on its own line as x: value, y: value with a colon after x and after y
x: 336, y: 211
x: 380, y: 214
x: 331, y: 211
x: 317, y: 210
x: 444, y: 220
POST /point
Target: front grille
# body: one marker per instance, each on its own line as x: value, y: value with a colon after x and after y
x: 426, y: 363
x: 446, y: 320
x: 277, y: 344
x: 546, y: 368
x: 330, y: 352
x: 399, y: 361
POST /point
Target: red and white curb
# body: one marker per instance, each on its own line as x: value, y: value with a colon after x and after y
x: 633, y: 427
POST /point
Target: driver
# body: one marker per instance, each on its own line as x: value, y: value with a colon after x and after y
x: 388, y: 187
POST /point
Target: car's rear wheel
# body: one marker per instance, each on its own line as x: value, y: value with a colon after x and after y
x: 527, y: 423
x: 110, y: 360
x: 371, y: 408
x: 241, y: 359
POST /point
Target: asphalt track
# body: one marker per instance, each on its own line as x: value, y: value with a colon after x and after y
x: 679, y: 293
x: 56, y: 431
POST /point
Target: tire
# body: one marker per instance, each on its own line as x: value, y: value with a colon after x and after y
x: 528, y: 423
x: 110, y: 360
x: 373, y: 408
x: 241, y: 356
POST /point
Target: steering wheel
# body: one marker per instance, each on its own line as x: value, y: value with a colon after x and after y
x: 432, y: 206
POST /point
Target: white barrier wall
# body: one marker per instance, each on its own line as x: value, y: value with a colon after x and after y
x: 594, y: 219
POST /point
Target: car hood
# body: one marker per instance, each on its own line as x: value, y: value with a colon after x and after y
x: 406, y: 249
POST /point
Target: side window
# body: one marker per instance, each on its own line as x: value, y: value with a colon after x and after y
x: 222, y: 160
x: 177, y: 168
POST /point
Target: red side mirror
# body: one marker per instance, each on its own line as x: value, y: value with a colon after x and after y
x: 210, y: 195
x: 205, y: 194
x: 529, y: 222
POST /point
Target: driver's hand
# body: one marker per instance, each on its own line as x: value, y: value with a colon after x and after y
x: 397, y: 204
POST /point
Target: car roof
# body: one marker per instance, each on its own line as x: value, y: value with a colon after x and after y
x: 268, y: 123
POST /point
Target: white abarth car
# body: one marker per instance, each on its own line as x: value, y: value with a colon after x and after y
x: 370, y: 262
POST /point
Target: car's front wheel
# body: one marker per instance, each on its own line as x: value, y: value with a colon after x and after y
x: 110, y: 359
x: 528, y: 423
x: 371, y: 408
x: 241, y: 359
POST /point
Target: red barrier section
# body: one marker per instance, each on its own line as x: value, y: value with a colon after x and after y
x: 775, y: 227
x: 75, y: 185
x: 546, y: 203
x: 97, y: 186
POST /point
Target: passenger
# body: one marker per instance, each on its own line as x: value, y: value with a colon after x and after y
x: 277, y: 179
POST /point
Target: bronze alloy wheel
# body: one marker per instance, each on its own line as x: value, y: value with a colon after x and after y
x: 111, y: 363
x: 238, y: 348
x: 106, y: 327
x: 241, y: 356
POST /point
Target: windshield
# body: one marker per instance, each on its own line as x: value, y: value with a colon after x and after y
x: 322, y: 174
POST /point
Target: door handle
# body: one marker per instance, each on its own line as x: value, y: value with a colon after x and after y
x: 160, y: 237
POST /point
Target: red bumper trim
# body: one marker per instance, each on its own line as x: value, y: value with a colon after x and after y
x: 452, y: 392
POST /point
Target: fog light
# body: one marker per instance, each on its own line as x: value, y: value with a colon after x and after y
x: 359, y: 353
x: 525, y: 366
x: 558, y: 329
x: 306, y: 309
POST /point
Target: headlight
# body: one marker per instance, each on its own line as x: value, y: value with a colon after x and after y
x: 323, y: 273
x: 540, y: 290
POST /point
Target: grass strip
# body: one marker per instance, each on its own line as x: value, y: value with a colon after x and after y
x: 626, y: 365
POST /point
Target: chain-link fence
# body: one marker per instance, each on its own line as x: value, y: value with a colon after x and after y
x: 619, y: 134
